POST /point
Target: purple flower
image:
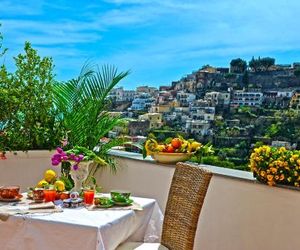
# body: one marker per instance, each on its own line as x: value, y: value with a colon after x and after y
x: 55, y: 162
x: 72, y: 156
x: 59, y: 150
x: 80, y: 157
x: 65, y: 158
x: 75, y: 167
x: 56, y: 156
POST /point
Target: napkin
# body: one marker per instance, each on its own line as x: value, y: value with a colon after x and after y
x: 8, y: 210
x: 41, y: 205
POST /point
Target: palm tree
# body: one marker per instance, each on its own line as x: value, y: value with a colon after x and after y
x: 82, y: 106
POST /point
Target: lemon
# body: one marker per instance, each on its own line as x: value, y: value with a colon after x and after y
x: 50, y: 175
x: 59, y: 186
x: 150, y: 146
x: 196, y: 145
x: 42, y: 184
x: 160, y: 148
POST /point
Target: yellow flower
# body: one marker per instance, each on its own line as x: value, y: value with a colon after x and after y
x: 295, y: 173
x: 296, y: 184
x: 262, y: 173
x: 282, y: 149
x: 289, y: 179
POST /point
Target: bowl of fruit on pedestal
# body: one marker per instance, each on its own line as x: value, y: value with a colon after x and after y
x: 172, y: 150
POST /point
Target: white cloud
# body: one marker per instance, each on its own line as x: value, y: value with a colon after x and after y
x: 156, y: 34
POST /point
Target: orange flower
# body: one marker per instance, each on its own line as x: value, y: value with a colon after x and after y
x: 274, y: 170
x: 270, y: 177
x: 262, y: 173
x: 281, y: 177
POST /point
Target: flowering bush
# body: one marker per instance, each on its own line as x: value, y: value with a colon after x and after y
x: 273, y: 165
x: 75, y: 156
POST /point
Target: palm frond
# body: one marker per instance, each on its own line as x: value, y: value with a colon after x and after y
x: 82, y: 103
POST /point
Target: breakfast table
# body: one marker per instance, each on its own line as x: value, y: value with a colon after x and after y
x: 80, y: 228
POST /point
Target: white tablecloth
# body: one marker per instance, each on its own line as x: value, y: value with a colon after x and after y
x: 82, y: 229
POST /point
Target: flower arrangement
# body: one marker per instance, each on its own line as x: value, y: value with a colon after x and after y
x: 75, y: 155
x: 273, y: 165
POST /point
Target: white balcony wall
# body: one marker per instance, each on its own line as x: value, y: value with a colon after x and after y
x: 25, y: 168
x: 238, y: 214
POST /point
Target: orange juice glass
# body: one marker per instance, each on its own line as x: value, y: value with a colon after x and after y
x: 49, y: 194
x: 88, y: 196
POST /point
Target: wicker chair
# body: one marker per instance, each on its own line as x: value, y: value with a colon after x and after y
x: 186, y: 197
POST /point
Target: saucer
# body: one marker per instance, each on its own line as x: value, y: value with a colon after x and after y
x: 18, y: 198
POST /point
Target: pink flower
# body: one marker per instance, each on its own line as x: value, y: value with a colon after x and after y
x: 64, y: 142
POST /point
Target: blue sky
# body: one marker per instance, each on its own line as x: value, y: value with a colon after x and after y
x: 158, y: 40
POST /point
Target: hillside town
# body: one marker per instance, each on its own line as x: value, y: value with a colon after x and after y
x: 233, y: 108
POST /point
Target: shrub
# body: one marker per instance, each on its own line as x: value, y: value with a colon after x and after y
x: 276, y: 165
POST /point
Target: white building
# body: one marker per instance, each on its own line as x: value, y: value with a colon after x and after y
x: 202, y: 113
x: 197, y: 127
x: 142, y: 102
x: 121, y: 95
x: 185, y: 98
x: 216, y: 98
x: 250, y: 99
x: 155, y: 119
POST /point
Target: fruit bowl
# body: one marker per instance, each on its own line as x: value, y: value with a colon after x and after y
x: 169, y: 158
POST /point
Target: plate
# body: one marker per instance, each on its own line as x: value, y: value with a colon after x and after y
x: 18, y: 198
x: 109, y: 202
x: 105, y: 206
x: 126, y: 203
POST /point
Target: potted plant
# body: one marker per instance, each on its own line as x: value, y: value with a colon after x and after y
x: 79, y: 158
x: 82, y: 105
x: 275, y: 166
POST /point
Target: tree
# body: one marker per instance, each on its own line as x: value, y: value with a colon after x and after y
x: 261, y: 64
x: 254, y: 64
x: 267, y: 62
x: 2, y: 50
x: 27, y: 116
x: 238, y: 65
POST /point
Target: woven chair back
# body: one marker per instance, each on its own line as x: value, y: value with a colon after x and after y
x: 185, y: 200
